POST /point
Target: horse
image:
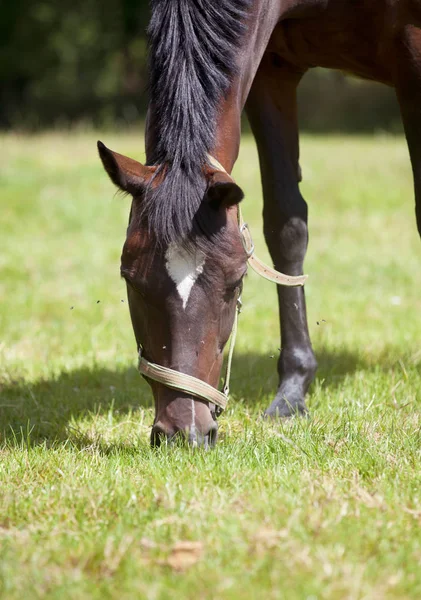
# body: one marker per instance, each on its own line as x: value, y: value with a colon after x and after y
x: 184, y: 257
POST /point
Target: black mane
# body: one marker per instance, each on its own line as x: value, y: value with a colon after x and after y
x: 193, y: 48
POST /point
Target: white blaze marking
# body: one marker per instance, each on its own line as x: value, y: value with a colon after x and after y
x: 193, y: 420
x: 184, y: 268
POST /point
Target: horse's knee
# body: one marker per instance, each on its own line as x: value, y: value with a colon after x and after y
x: 287, y: 240
x: 297, y: 361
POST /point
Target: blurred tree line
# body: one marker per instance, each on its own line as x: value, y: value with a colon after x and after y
x: 64, y: 62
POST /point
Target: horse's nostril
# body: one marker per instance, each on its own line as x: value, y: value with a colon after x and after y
x: 210, y: 439
x: 160, y: 435
x: 213, y: 434
x: 207, y: 440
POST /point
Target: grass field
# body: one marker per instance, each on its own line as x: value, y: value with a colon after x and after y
x: 328, y: 507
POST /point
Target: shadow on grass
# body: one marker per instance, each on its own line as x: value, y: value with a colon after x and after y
x: 45, y: 409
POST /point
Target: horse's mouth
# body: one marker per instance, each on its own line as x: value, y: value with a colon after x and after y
x: 192, y: 438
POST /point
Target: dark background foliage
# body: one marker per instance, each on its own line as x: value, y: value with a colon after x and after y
x: 65, y: 62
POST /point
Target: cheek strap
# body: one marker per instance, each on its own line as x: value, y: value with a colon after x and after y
x: 255, y: 263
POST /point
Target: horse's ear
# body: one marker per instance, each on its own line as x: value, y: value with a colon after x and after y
x: 126, y: 173
x: 223, y: 191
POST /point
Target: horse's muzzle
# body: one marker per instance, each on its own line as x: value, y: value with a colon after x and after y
x: 160, y: 435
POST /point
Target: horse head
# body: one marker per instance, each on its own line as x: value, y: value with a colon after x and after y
x: 182, y: 292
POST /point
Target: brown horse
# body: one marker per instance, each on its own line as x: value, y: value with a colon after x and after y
x: 183, y: 258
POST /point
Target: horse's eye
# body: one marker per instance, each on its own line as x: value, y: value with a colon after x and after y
x: 132, y: 283
x: 237, y: 285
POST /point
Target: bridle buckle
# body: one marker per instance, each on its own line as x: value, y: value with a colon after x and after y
x: 246, y: 239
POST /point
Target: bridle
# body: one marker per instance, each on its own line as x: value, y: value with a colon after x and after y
x: 192, y: 385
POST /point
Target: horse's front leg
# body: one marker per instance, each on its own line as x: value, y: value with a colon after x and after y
x: 408, y: 89
x: 271, y: 108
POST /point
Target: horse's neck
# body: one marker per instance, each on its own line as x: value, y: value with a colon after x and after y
x: 264, y: 15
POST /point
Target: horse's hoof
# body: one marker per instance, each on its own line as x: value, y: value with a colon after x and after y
x: 283, y: 408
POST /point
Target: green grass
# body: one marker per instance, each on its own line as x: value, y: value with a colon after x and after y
x: 328, y: 507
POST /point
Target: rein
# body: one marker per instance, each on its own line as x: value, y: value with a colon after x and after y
x: 192, y: 385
